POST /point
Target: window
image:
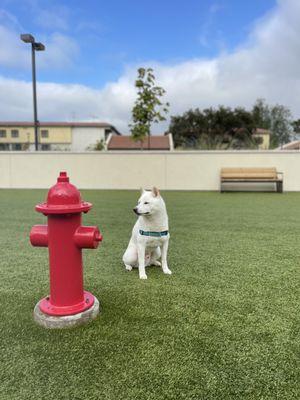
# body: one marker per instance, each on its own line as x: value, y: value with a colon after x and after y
x: 14, y: 133
x: 16, y: 146
x: 2, y: 133
x: 44, y: 133
x: 4, y: 146
x: 45, y: 147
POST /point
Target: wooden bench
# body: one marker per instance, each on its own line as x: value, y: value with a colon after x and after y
x: 255, y: 175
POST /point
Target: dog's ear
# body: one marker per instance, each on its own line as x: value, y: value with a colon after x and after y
x: 142, y: 190
x: 155, y: 192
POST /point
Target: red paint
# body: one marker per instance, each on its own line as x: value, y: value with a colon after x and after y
x: 65, y: 238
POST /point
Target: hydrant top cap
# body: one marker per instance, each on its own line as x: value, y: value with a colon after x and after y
x: 63, y: 198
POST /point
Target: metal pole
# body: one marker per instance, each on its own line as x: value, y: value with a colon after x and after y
x: 36, y: 137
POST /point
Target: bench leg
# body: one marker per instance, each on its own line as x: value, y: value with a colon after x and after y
x: 279, y: 186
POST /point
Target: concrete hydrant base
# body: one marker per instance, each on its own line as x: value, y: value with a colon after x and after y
x: 68, y: 321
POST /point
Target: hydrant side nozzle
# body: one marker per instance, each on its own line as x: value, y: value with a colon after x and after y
x: 98, y: 237
x: 87, y: 237
x: 39, y: 236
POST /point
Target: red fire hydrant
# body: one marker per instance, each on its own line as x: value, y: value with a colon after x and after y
x: 65, y: 238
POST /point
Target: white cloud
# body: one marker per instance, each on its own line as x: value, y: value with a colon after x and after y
x: 12, y: 53
x: 54, y: 19
x: 266, y: 66
x: 206, y: 33
x: 62, y: 50
x: 66, y: 102
x: 7, y: 18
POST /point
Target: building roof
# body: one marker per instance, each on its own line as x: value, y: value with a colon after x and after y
x: 261, y: 131
x: 294, y: 145
x: 255, y: 131
x: 149, y: 143
x: 60, y: 123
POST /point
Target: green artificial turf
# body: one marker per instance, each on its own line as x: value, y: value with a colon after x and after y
x: 225, y: 325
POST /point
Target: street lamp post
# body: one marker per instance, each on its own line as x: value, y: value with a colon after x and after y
x: 27, y: 38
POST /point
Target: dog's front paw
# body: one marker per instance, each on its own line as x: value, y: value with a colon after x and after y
x: 167, y: 271
x: 128, y: 267
x: 143, y: 276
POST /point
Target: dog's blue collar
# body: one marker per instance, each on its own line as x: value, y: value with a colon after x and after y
x: 155, y: 234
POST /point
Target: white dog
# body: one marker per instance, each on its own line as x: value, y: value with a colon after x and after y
x: 150, y: 234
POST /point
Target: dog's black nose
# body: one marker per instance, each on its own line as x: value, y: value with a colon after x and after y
x: 135, y: 210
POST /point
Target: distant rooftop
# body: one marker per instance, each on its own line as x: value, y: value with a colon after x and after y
x: 60, y: 123
x: 294, y: 145
x: 261, y: 131
x: 149, y: 143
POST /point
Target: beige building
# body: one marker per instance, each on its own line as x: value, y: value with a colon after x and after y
x: 61, y: 136
x: 264, y: 134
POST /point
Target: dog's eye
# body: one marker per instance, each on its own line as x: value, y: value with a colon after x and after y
x: 146, y: 202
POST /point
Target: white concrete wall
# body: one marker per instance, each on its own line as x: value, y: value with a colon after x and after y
x: 130, y: 170
x: 84, y: 137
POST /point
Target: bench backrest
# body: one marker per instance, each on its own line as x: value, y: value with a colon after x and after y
x: 248, y: 173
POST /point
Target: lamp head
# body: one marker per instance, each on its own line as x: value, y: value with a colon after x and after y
x: 39, y: 46
x: 27, y: 38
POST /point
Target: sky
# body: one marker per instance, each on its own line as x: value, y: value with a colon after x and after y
x: 204, y: 53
